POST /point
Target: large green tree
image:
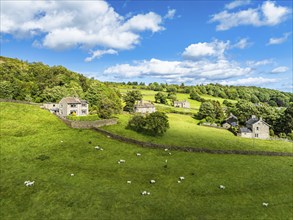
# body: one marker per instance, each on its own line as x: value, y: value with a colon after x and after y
x: 130, y: 98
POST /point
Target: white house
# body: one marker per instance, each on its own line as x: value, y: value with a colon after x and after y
x: 71, y: 105
x: 255, y: 128
x: 144, y: 107
x: 182, y: 104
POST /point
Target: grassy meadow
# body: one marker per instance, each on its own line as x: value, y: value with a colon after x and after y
x: 36, y: 145
x: 184, y: 131
x: 149, y: 95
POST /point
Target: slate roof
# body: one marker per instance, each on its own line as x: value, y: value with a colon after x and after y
x: 251, y: 121
x: 73, y: 100
x: 180, y: 102
x: 142, y: 104
x: 244, y: 130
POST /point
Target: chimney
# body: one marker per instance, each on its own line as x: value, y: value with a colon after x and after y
x: 253, y: 116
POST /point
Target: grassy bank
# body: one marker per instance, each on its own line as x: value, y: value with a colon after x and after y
x: 184, y: 131
x: 35, y: 145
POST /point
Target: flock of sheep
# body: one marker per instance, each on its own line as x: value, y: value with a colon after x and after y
x: 29, y: 183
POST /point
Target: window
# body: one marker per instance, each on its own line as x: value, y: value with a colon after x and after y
x: 54, y: 105
x: 256, y: 135
x: 257, y: 128
x: 73, y: 105
x: 83, y: 105
x: 83, y: 112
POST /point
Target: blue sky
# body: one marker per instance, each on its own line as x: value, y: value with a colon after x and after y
x: 241, y: 42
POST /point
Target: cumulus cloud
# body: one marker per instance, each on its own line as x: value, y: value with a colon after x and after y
x: 67, y: 24
x: 280, y: 69
x: 170, y: 14
x: 215, y: 48
x: 99, y: 53
x: 175, y: 70
x: 252, y: 81
x: 269, y: 14
x: 237, y: 3
x: 279, y: 40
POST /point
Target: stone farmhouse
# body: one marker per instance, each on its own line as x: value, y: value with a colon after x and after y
x: 144, y: 107
x: 181, y: 104
x: 68, y: 106
x: 255, y: 128
x: 231, y: 121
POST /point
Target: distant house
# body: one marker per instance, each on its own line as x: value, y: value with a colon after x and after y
x: 255, y: 128
x: 181, y: 104
x: 52, y: 107
x: 144, y: 107
x: 71, y: 105
x: 231, y: 121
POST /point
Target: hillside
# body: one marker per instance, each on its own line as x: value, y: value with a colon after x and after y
x: 37, y: 82
x: 36, y: 146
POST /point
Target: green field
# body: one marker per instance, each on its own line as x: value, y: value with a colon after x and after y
x: 35, y: 145
x: 149, y: 95
x: 184, y: 131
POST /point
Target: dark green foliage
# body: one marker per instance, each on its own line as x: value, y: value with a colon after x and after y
x: 195, y: 96
x: 130, y: 98
x: 161, y: 98
x: 37, y: 82
x: 155, y: 124
x: 211, y: 110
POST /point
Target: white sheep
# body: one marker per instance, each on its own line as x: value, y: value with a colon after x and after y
x: 152, y: 181
x: 72, y: 174
x: 61, y: 141
x: 170, y: 153
x: 129, y: 182
x: 29, y: 183
x: 222, y: 187
x: 145, y: 193
x: 101, y: 149
x: 166, y: 149
x: 138, y: 154
x: 265, y: 204
x: 97, y: 147
x: 181, y: 178
x: 178, y: 181
x: 166, y: 161
x: 121, y: 161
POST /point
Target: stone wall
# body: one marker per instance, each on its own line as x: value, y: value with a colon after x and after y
x: 88, y: 124
x: 189, y: 149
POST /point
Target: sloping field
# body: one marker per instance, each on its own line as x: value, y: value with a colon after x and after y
x: 37, y: 146
x: 184, y: 131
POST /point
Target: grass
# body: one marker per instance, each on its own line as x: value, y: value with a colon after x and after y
x: 149, y: 95
x: 31, y: 149
x: 84, y: 118
x: 184, y: 131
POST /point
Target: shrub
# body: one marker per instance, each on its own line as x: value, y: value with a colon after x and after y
x: 153, y: 124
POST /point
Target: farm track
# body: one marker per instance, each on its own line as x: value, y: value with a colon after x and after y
x: 189, y: 149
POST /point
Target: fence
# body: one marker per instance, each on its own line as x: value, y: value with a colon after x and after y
x: 88, y: 124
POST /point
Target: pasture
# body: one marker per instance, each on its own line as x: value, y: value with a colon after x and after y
x: 184, y: 131
x: 37, y: 146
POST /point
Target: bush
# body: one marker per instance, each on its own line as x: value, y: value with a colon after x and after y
x: 153, y: 124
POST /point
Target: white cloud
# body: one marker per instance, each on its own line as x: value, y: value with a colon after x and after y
x: 67, y: 24
x: 280, y: 69
x: 203, y: 49
x: 99, y: 53
x: 170, y: 14
x: 279, y: 40
x: 242, y: 43
x: 253, y: 63
x: 237, y: 3
x: 251, y: 81
x: 269, y: 14
x: 175, y: 70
